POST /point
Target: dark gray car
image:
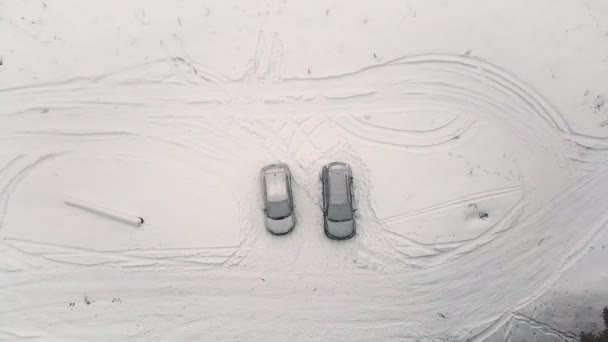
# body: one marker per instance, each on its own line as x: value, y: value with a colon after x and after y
x: 278, y: 200
x: 338, y: 205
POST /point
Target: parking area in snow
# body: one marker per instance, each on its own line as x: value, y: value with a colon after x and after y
x: 480, y: 181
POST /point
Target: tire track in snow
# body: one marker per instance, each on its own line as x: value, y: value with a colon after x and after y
x: 9, y: 335
x: 581, y: 246
x: 428, y: 133
x: 77, y: 134
x: 13, y: 181
x: 502, y: 79
x: 398, y: 137
x: 11, y: 163
x: 90, y: 257
x: 431, y: 147
x: 472, y: 69
x: 546, y: 329
x: 350, y: 95
x: 10, y: 176
x: 437, y: 257
x: 502, y: 98
x: 460, y: 201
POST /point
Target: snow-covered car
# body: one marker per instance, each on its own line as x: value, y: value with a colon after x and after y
x: 278, y: 199
x: 338, y: 205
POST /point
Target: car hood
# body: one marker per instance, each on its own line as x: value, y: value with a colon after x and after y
x: 340, y: 230
x: 282, y: 226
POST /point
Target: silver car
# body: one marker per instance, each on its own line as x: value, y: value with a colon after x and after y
x: 278, y: 200
x: 338, y: 205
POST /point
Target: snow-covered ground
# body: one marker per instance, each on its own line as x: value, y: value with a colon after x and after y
x: 477, y: 131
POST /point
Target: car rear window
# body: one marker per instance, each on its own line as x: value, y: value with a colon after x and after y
x: 339, y: 212
x: 278, y: 210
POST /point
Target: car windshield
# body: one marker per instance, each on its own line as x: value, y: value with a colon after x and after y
x: 339, y: 208
x: 277, y: 197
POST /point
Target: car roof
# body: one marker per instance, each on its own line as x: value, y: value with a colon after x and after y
x: 337, y: 185
x: 276, y: 186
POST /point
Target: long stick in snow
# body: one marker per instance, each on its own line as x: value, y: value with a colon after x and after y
x: 135, y: 221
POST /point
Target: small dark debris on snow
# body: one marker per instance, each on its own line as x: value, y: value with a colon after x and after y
x: 1, y: 60
x: 116, y: 300
x: 468, y: 52
x: 441, y: 315
x: 599, y: 103
x: 483, y: 216
x: 87, y: 300
x: 309, y: 71
x: 375, y: 55
x: 262, y: 279
x: 327, y: 12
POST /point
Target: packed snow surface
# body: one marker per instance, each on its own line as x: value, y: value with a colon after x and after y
x: 477, y: 133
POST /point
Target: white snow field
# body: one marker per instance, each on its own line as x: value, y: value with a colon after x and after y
x: 477, y: 132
